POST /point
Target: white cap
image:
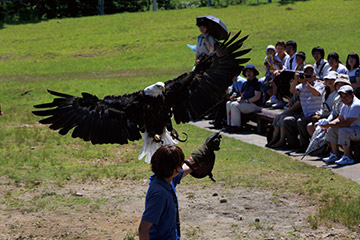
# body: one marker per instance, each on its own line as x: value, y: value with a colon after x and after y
x: 331, y: 75
x: 346, y: 89
x: 270, y: 47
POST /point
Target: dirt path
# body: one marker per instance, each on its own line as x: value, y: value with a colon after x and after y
x: 112, y: 210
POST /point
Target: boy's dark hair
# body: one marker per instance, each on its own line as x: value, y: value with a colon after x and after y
x: 319, y: 50
x: 302, y: 55
x: 353, y: 55
x: 280, y: 43
x: 167, y: 159
x: 293, y: 44
x: 334, y: 56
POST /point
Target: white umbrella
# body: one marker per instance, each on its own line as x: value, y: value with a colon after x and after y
x: 317, y: 141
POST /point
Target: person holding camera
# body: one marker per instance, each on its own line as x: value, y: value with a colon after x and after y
x: 311, y: 97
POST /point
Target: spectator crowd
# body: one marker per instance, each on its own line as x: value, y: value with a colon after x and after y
x: 320, y: 101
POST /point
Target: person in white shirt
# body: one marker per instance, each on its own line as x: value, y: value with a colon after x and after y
x: 290, y: 64
x: 327, y: 106
x: 352, y: 64
x: 345, y: 128
x: 335, y: 64
x: 321, y: 66
x: 291, y: 48
x: 280, y: 53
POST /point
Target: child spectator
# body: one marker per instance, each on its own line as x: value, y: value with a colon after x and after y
x: 335, y: 64
x: 352, y: 64
x: 291, y: 48
x: 248, y: 102
x: 283, y: 56
x: 280, y: 53
x: 300, y: 61
x: 321, y: 66
x: 290, y: 64
x: 232, y: 93
x: 271, y: 62
x: 345, y: 128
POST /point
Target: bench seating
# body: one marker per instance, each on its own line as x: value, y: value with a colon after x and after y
x: 267, y: 116
x: 262, y: 118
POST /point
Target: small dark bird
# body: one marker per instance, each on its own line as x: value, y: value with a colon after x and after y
x: 119, y: 119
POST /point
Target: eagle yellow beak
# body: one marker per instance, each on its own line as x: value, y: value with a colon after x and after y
x: 163, y: 89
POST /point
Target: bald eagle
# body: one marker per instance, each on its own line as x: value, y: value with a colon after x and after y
x: 119, y: 119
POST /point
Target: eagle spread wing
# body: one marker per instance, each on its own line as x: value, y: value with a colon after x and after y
x: 119, y: 119
x: 110, y: 120
x: 193, y: 94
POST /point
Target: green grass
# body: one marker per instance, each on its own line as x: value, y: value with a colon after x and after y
x: 126, y: 52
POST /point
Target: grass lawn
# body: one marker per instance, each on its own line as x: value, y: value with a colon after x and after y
x: 116, y: 54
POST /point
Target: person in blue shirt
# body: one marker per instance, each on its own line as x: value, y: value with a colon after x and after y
x: 160, y: 219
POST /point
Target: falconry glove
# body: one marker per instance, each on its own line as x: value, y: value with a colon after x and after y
x: 202, y: 160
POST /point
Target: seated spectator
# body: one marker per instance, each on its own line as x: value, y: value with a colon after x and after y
x: 283, y: 56
x: 249, y: 100
x: 280, y: 53
x: 300, y: 61
x: 344, y: 129
x: 327, y: 106
x: 278, y: 138
x: 290, y: 64
x: 233, y: 91
x: 352, y: 64
x: 271, y: 63
x: 310, y: 91
x: 321, y: 66
x: 335, y: 64
x: 341, y: 80
x: 291, y: 48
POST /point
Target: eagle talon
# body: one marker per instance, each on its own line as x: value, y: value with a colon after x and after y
x: 174, y: 134
x: 157, y: 138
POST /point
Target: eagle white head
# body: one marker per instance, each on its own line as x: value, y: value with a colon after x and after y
x: 155, y: 90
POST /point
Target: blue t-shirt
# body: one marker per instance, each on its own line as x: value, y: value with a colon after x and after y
x: 249, y: 88
x: 237, y: 85
x: 161, y: 209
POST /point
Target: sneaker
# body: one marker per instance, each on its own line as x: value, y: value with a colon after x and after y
x: 331, y: 159
x: 345, y: 160
x: 272, y: 101
x: 279, y: 105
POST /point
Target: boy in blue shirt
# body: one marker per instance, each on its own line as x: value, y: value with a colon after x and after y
x: 160, y: 220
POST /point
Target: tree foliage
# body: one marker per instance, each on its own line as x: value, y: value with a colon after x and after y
x: 20, y: 11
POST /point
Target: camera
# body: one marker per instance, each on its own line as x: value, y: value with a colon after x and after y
x: 304, y: 75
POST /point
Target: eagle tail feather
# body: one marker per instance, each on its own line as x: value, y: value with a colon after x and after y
x: 150, y: 146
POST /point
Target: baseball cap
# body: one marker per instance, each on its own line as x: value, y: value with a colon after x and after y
x: 346, y: 89
x: 331, y: 75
